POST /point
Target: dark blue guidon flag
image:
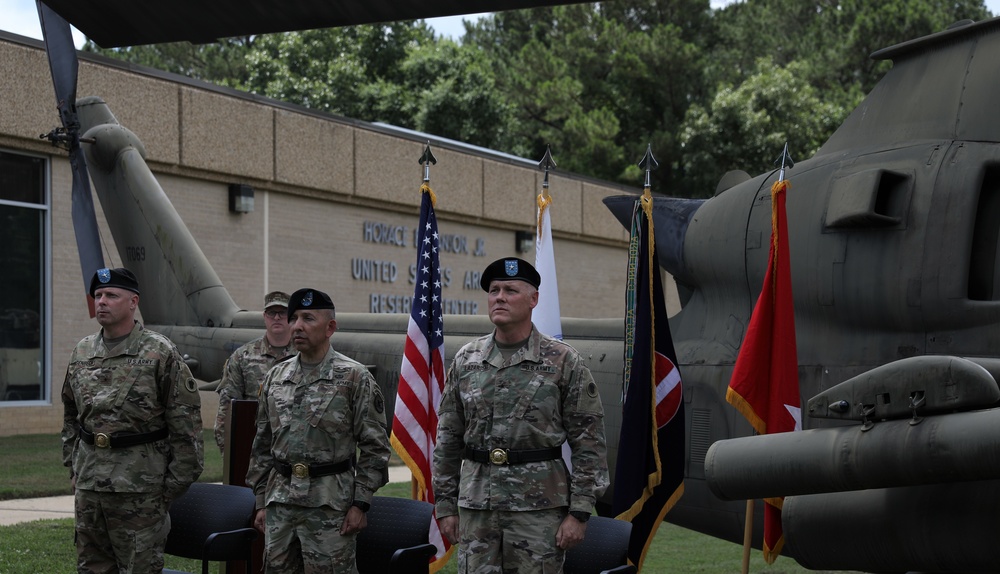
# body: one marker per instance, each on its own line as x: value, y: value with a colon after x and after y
x: 649, y: 475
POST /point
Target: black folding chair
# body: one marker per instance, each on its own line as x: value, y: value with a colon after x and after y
x: 396, y: 539
x: 604, y: 549
x: 212, y: 523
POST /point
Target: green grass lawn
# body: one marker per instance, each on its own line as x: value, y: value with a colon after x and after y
x: 32, y: 466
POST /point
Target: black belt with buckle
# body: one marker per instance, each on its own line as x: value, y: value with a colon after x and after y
x: 122, y: 440
x: 507, y: 456
x: 302, y: 470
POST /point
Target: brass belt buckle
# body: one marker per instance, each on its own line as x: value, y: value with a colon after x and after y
x: 102, y: 440
x: 300, y: 470
x: 498, y: 456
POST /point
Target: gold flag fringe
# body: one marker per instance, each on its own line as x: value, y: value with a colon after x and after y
x: 544, y: 201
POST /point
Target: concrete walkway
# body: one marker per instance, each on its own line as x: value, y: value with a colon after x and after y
x: 28, y: 509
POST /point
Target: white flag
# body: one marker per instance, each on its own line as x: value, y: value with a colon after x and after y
x: 546, y: 314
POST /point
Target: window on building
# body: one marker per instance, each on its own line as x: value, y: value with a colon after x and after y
x: 23, y: 233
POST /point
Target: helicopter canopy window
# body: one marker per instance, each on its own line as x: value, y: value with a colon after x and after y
x: 23, y: 217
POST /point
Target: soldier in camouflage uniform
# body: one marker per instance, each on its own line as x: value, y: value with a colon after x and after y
x: 511, y: 399
x: 244, y: 372
x: 131, y: 433
x: 318, y: 411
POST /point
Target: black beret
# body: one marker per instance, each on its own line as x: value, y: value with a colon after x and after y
x: 308, y: 299
x: 118, y: 277
x: 507, y: 269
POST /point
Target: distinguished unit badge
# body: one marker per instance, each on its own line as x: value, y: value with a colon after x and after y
x: 307, y: 299
x: 510, y: 267
x: 104, y: 275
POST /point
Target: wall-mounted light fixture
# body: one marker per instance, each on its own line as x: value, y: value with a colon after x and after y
x: 240, y: 198
x: 523, y: 241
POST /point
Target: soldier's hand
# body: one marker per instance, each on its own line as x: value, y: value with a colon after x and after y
x: 570, y: 532
x: 355, y: 521
x: 258, y: 520
x: 449, y: 528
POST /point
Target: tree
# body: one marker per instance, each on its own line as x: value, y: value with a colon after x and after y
x: 598, y: 82
x: 871, y: 26
x: 709, y: 89
x: 350, y: 71
x: 396, y: 73
x: 457, y: 96
x: 834, y: 37
x: 746, y: 127
x: 793, y: 70
x: 223, y: 62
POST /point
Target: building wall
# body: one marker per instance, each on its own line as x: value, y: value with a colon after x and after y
x: 319, y: 180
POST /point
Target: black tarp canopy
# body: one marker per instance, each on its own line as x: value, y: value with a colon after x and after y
x: 115, y: 23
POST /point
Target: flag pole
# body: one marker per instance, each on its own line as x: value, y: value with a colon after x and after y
x: 784, y: 161
x: 747, y: 536
x: 426, y: 159
x: 649, y: 478
x: 421, y: 371
x: 544, y: 199
x: 546, y: 316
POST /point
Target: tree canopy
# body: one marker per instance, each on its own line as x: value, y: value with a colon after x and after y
x: 711, y: 90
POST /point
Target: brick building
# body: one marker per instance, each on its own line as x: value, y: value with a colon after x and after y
x: 335, y: 205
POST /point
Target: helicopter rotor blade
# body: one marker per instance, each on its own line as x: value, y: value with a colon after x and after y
x: 64, y: 66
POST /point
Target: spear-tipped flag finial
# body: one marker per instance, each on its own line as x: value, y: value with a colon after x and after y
x: 427, y: 159
x: 784, y: 161
x: 547, y: 164
x: 648, y: 163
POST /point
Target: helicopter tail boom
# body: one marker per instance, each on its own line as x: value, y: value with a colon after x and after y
x: 147, y: 229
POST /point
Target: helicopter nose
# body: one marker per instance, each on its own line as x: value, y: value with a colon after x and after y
x: 671, y: 216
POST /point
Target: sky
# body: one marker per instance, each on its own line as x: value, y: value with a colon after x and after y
x: 21, y: 17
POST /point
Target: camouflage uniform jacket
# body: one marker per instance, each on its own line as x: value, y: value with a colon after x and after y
x: 242, y: 376
x: 324, y: 415
x: 140, y: 386
x: 544, y: 395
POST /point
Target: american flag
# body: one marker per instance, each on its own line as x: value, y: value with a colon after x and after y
x: 421, y: 375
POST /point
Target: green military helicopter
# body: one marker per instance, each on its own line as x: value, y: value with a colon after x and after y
x: 894, y: 228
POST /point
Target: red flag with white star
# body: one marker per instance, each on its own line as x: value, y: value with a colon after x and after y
x: 765, y: 382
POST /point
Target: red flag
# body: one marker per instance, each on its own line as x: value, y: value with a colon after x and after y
x: 765, y: 382
x: 421, y: 375
x: 649, y: 475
